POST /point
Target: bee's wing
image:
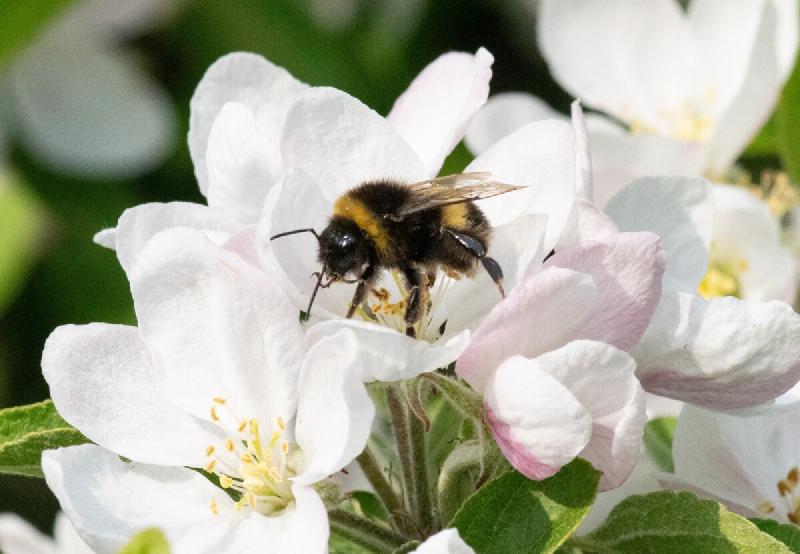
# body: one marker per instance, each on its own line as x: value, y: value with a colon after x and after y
x: 453, y: 189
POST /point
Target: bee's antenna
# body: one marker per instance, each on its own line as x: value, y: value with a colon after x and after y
x: 286, y: 233
x: 320, y: 275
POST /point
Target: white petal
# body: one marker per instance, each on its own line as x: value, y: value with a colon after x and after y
x: 102, y: 382
x: 126, y: 129
x: 723, y: 353
x: 586, y: 222
x: 740, y: 459
x: 786, y: 39
x: 503, y: 114
x: 388, y: 355
x: 746, y: 230
x: 240, y: 171
x: 618, y: 159
x: 17, y: 536
x: 109, y: 500
x: 628, y: 59
x: 584, y: 187
x: 137, y: 225
x: 602, y: 379
x: 755, y: 99
x: 444, y: 542
x: 217, y: 327
x: 268, y: 90
x: 540, y: 156
x: 334, y: 413
x: 67, y: 538
x: 106, y: 238
x: 536, y: 420
x: 680, y: 211
x: 433, y: 113
x: 341, y: 143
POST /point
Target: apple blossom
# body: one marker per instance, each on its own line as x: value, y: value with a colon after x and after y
x: 17, y: 536
x: 748, y: 462
x: 690, y: 88
x: 444, y: 542
x: 217, y: 376
x: 127, y: 129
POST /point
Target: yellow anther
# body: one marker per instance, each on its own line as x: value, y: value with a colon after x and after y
x: 229, y: 446
x: 254, y: 427
x: 242, y: 426
x: 765, y: 507
x: 219, y: 400
x: 273, y: 440
x: 209, y: 467
x: 225, y: 482
x: 274, y: 475
x: 246, y: 458
x: 210, y: 450
x: 285, y: 447
x: 281, y: 424
x: 214, y: 507
x: 793, y: 476
x: 214, y: 416
x: 250, y: 498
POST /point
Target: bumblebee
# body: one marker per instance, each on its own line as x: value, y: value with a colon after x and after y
x: 414, y: 229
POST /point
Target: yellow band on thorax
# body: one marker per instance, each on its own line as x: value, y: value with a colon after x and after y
x: 355, y: 210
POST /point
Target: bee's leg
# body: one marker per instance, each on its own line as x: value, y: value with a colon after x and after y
x: 476, y: 248
x: 361, y: 290
x: 417, y: 297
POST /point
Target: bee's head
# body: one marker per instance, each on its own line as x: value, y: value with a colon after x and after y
x: 342, y: 248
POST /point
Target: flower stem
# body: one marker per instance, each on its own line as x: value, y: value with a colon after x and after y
x: 383, y: 488
x: 360, y: 530
x: 409, y: 434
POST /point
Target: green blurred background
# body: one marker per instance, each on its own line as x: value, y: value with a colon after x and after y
x: 51, y: 273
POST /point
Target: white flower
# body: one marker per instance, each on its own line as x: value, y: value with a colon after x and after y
x: 17, y: 536
x: 127, y: 128
x: 217, y: 377
x: 447, y: 541
x: 690, y: 88
x: 750, y: 462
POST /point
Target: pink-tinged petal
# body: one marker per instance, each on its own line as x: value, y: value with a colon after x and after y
x: 586, y: 222
x: 444, y: 542
x: 583, y: 160
x: 722, y: 354
x: 137, y: 225
x: 602, y: 379
x: 503, y: 114
x: 17, y: 536
x: 680, y: 210
x: 543, y: 313
x: 627, y: 270
x: 245, y: 244
x: 109, y: 501
x: 102, y: 381
x: 433, y: 113
x: 268, y: 90
x: 332, y: 437
x: 389, y: 355
x: 755, y: 98
x: 217, y: 327
x: 240, y: 171
x: 341, y: 143
x: 536, y: 420
x: 541, y: 157
x: 619, y: 158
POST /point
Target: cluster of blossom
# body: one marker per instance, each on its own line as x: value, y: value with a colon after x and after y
x: 666, y: 284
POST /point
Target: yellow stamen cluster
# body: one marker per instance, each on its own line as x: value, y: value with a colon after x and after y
x: 689, y: 122
x: 256, y: 471
x: 786, y: 490
x: 722, y: 279
x: 777, y: 191
x: 384, y: 311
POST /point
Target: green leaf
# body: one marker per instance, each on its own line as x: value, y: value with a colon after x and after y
x: 338, y: 544
x: 667, y: 521
x: 766, y: 141
x: 410, y: 546
x: 786, y: 533
x: 658, y: 435
x: 22, y: 20
x: 21, y: 230
x: 788, y: 131
x: 514, y: 514
x: 149, y: 541
x: 26, y: 431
